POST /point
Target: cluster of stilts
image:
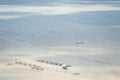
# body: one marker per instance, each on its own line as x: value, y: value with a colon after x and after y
x: 38, y: 67
x: 33, y: 66
x: 55, y: 63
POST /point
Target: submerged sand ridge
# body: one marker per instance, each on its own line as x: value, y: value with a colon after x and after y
x: 20, y: 69
x: 13, y: 71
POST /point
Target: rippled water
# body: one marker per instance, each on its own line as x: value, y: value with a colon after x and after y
x: 88, y: 41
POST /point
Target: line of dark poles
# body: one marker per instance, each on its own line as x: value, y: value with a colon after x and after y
x: 64, y: 66
x: 38, y: 67
x: 33, y: 66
